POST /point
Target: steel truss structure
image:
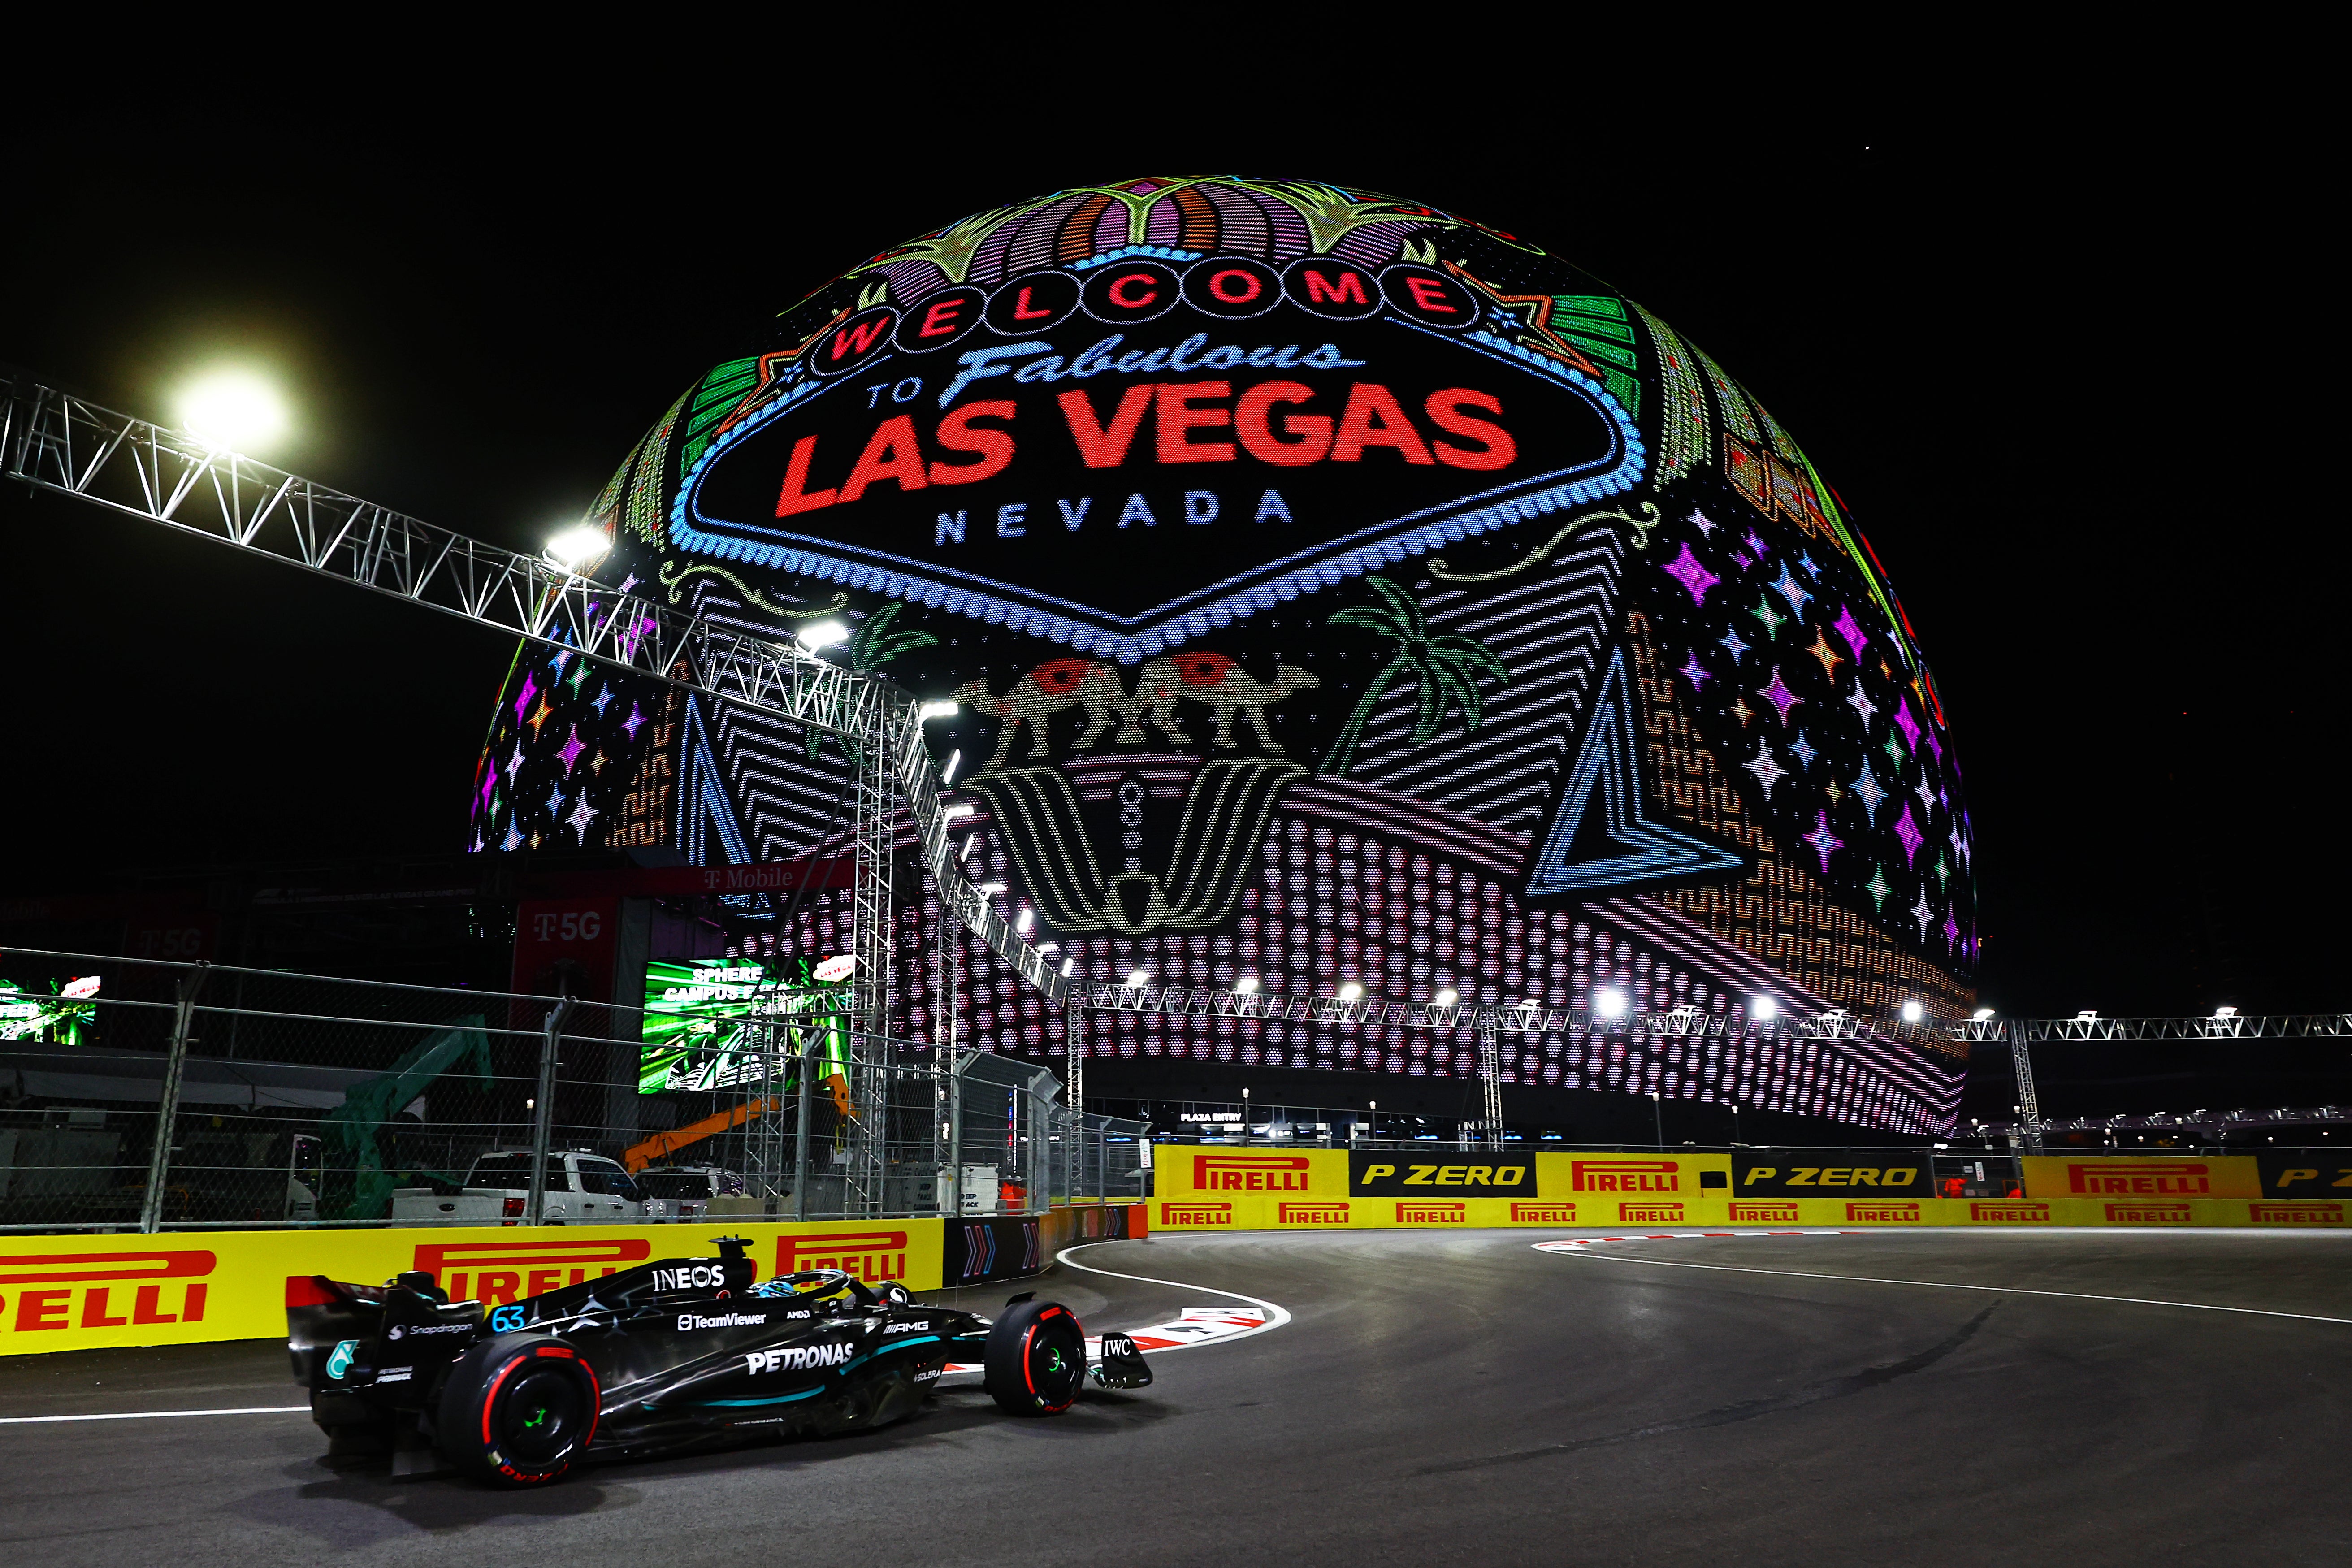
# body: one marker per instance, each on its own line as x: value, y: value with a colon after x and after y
x: 52, y: 441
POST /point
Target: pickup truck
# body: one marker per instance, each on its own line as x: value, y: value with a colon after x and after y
x: 685, y: 1192
x: 582, y: 1189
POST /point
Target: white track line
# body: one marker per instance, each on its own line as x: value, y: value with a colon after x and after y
x: 1279, y: 1316
x: 159, y: 1414
x: 1946, y: 1285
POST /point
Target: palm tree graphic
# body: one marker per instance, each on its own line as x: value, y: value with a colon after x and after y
x: 874, y: 646
x: 1447, y: 667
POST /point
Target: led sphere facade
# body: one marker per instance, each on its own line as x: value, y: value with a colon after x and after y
x: 1336, y: 592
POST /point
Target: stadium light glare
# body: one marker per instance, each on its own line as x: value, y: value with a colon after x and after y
x: 234, y: 409
x: 1912, y: 1011
x: 1028, y: 918
x: 2225, y: 1012
x: 940, y: 709
x: 1982, y: 1014
x: 1446, y: 998
x: 1610, y: 1003
x: 1763, y: 1009
x: 1245, y: 985
x: 825, y: 634
x: 1352, y: 992
x: 1139, y: 978
x: 576, y: 549
x: 947, y: 777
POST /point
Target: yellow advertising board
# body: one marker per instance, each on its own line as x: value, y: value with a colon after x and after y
x: 1201, y: 1187
x: 80, y: 1292
x: 2161, y: 1179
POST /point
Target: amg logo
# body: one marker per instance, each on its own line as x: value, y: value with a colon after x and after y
x: 2172, y: 1178
x: 1650, y: 1213
x: 1764, y: 1214
x: 799, y: 1358
x: 1543, y: 1214
x: 54, y: 1279
x: 701, y: 1277
x: 1314, y: 1214
x: 871, y: 1254
x: 1433, y: 1214
x: 2009, y: 1214
x: 1251, y: 1173
x: 2297, y: 1214
x: 1883, y: 1213
x: 1626, y: 1176
x: 501, y: 1271
x: 1196, y: 1214
x: 2147, y: 1214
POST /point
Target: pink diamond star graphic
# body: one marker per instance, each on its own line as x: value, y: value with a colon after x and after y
x: 514, y: 764
x: 522, y: 703
x: 1823, y: 841
x: 1908, y: 724
x: 570, y: 749
x: 1951, y: 931
x: 1846, y: 626
x: 1684, y: 569
x: 1908, y: 832
x: 634, y: 723
x: 1779, y: 695
x: 1697, y: 673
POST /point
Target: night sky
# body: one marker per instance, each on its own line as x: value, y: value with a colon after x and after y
x: 2052, y: 377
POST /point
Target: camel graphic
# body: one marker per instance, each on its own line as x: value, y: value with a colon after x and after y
x: 1044, y: 691
x: 1216, y: 683
x: 1209, y: 680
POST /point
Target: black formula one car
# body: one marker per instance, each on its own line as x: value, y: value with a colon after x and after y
x: 663, y: 1358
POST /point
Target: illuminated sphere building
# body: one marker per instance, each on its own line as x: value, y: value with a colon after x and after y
x: 1336, y: 589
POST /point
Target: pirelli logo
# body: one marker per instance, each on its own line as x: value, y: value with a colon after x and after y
x: 2147, y: 1214
x: 115, y: 1290
x: 2151, y: 1178
x: 871, y: 1254
x: 2009, y: 1214
x: 1193, y: 1216
x: 2297, y: 1214
x: 1252, y: 1173
x: 1883, y: 1214
x: 1763, y: 1213
x: 1311, y: 1213
x: 1626, y: 1176
x: 1543, y: 1214
x: 503, y: 1271
x: 1425, y: 1212
x: 1650, y: 1213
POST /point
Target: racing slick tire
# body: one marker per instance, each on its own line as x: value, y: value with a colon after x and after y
x: 518, y: 1410
x: 1036, y: 1359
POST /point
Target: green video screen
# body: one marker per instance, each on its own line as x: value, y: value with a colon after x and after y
x: 717, y: 1023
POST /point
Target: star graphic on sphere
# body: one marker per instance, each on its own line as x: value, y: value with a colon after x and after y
x: 1823, y: 841
x: 1877, y: 888
x: 1960, y: 843
x: 579, y: 677
x: 1740, y: 707
x: 1951, y: 931
x: 533, y: 839
x: 1802, y: 750
x: 1871, y: 791
x: 1934, y: 745
x: 555, y: 802
x: 604, y: 700
x: 513, y: 839
x: 582, y: 814
x: 498, y: 803
x: 1846, y: 626
x: 1789, y: 588
x: 1893, y: 748
x: 629, y: 582
x: 1705, y: 523
x: 1779, y: 695
x: 1907, y: 832
x: 542, y: 717
x: 1861, y: 704
x: 1766, y: 767
x: 1684, y: 569
x: 570, y: 749
x: 1830, y: 658
x: 563, y: 657
x: 634, y: 723
x: 596, y: 763
x: 1926, y: 797
x: 530, y: 691
x: 1836, y: 794
x: 1755, y: 544
x: 1741, y: 559
x: 1697, y: 674
x: 514, y: 762
x: 1922, y: 913
x: 1730, y: 641
x: 1774, y: 620
x: 1943, y: 869
x: 1904, y: 722
x: 1812, y: 568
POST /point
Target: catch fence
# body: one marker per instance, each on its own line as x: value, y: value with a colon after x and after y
x: 176, y: 1096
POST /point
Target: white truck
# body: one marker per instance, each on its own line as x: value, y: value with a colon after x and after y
x: 582, y: 1189
x: 677, y: 1193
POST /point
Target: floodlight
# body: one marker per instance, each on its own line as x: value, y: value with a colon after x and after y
x: 235, y: 409
x: 1446, y: 998
x: 1245, y: 985
x: 940, y: 709
x: 1982, y: 1014
x: 1351, y: 991
x: 1139, y: 978
x: 1912, y: 1011
x: 2225, y: 1012
x: 988, y: 888
x: 2086, y: 1015
x: 1763, y: 1009
x: 1610, y: 1003
x: 577, y: 548
x: 825, y: 634
x: 953, y: 758
x: 1028, y: 918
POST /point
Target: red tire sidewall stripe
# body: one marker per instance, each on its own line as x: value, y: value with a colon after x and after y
x: 490, y: 1400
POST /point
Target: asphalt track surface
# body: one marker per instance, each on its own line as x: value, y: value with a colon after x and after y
x: 1434, y: 1399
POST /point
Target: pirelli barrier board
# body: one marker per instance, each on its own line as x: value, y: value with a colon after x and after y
x: 80, y: 1292
x: 1205, y: 1188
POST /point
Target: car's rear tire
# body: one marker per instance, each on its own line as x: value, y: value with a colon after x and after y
x: 1036, y: 1359
x: 519, y: 1410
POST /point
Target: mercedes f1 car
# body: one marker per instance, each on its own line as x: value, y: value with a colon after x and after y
x: 662, y: 1358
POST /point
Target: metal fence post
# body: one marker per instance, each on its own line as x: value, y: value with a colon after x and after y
x: 167, y: 1105
x: 542, y: 1122
x: 801, y: 1127
x: 955, y: 1141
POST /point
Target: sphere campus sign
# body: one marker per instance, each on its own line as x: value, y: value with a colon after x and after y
x: 1335, y: 589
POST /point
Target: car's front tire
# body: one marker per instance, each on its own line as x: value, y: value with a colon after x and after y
x: 519, y: 1410
x: 1036, y: 1359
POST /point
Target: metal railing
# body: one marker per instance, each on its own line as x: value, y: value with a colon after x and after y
x: 186, y: 1096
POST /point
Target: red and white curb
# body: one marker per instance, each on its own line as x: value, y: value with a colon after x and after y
x: 1193, y: 1326
x: 1678, y: 1235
